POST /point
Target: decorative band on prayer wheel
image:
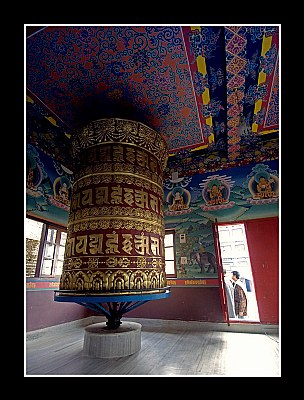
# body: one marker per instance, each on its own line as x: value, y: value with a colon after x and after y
x: 115, y: 241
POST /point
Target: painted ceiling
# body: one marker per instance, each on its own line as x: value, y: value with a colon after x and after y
x: 192, y: 84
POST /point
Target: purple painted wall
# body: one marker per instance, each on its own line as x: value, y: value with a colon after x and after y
x: 42, y: 311
x: 187, y: 304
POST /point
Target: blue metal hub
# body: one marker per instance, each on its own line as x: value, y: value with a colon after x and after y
x: 112, y: 305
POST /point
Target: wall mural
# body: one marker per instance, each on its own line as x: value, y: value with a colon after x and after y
x: 48, y: 187
x: 193, y: 203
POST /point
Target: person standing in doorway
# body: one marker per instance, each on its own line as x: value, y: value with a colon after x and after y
x: 229, y: 290
x: 240, y: 296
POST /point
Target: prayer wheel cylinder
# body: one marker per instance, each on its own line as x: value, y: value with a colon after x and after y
x: 115, y: 240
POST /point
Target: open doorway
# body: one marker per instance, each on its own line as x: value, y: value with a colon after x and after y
x: 235, y: 257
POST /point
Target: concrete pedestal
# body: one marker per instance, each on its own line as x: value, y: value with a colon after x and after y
x: 102, y: 342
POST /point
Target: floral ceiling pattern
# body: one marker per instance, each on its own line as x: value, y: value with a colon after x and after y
x: 193, y: 84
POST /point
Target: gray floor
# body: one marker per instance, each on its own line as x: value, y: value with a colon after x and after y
x: 171, y: 348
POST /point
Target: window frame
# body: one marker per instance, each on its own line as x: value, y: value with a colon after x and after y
x: 55, y: 257
x: 42, y: 248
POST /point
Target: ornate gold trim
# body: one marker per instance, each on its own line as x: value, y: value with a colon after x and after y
x: 107, y: 170
x: 113, y: 280
x: 111, y: 223
x: 139, y: 214
x: 124, y: 131
x: 113, y: 174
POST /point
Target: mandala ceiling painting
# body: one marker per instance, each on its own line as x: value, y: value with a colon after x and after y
x: 195, y: 85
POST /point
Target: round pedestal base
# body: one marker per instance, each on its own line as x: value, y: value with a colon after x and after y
x: 102, y: 342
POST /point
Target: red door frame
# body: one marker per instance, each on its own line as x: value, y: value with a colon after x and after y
x: 220, y: 272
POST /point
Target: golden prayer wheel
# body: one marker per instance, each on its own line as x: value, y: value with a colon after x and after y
x: 115, y: 241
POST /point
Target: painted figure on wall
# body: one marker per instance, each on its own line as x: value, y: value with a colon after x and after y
x: 62, y: 190
x: 216, y: 191
x: 204, y: 259
x: 263, y: 185
x: 178, y: 199
x: 35, y: 172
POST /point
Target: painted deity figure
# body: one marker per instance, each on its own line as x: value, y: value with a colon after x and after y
x: 264, y: 188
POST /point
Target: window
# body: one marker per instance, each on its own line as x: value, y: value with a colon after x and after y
x: 170, y: 254
x: 54, y: 245
x: 233, y: 246
x: 33, y: 230
x: 45, y: 246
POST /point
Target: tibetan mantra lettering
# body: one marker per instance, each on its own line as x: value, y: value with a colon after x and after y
x: 116, y: 231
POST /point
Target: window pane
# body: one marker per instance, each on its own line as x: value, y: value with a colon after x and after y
x: 47, y: 267
x: 59, y: 267
x: 63, y: 238
x: 32, y: 235
x: 169, y: 253
x: 169, y: 239
x: 224, y: 235
x: 226, y: 249
x: 61, y: 252
x: 240, y: 248
x: 51, y: 236
x: 237, y: 234
x: 169, y: 267
x: 49, y: 250
x: 228, y: 266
